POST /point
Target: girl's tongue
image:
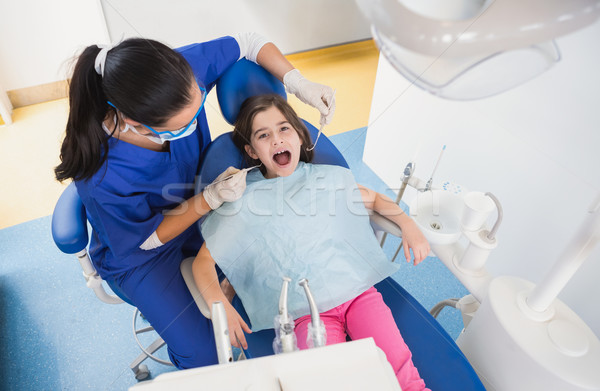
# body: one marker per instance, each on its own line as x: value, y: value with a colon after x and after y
x: 282, y: 158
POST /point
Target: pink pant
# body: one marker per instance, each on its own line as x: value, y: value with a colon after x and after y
x: 367, y: 316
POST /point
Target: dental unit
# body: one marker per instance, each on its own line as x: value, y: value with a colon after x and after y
x: 517, y: 336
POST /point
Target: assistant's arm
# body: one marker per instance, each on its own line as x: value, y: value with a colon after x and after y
x: 412, y: 236
x: 207, y: 281
x: 258, y: 49
x: 177, y: 220
x: 182, y: 217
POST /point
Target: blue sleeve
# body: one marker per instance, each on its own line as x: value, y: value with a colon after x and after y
x: 122, y: 223
x: 209, y: 60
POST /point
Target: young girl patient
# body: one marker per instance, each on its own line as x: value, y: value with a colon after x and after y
x: 303, y: 220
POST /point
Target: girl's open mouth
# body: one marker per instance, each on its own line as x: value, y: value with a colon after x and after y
x: 282, y: 158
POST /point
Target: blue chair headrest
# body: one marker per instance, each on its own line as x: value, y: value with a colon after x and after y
x: 243, y: 80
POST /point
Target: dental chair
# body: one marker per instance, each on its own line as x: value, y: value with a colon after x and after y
x: 70, y: 234
x: 439, y: 360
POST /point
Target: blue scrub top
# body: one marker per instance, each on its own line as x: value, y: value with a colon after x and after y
x: 125, y: 199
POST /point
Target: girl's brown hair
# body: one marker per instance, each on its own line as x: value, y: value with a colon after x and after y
x: 251, y: 107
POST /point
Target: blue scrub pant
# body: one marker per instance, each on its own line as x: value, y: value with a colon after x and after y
x: 158, y: 290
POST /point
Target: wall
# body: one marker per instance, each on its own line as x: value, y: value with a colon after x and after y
x: 293, y: 25
x: 39, y: 37
x: 535, y: 148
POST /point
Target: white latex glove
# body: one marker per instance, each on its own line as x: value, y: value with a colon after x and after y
x: 225, y: 190
x: 317, y: 95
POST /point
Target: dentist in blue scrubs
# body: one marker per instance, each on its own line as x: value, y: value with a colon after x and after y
x: 134, y: 144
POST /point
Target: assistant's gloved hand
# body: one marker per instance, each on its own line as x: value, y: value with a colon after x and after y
x: 317, y: 95
x: 227, y: 190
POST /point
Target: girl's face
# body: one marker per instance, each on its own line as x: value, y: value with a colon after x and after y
x: 275, y: 143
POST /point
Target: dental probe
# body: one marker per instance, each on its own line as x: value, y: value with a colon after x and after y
x: 231, y: 176
x: 428, y: 185
x: 320, y: 130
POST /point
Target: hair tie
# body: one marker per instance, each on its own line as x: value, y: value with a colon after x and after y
x: 101, y: 59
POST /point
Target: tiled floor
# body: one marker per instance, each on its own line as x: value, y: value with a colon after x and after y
x: 30, y: 147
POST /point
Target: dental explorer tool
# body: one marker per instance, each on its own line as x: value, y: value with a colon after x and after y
x: 285, y: 338
x: 316, y: 330
x: 428, y: 185
x: 221, y: 331
x: 231, y: 176
x: 320, y: 130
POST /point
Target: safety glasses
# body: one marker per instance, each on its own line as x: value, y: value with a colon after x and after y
x: 169, y: 134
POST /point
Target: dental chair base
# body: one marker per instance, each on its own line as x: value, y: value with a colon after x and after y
x: 515, y: 348
x: 357, y: 365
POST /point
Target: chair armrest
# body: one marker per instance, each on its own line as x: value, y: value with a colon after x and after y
x: 188, y: 277
x: 382, y: 223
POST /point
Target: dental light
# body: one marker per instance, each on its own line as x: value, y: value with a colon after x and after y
x: 470, y: 49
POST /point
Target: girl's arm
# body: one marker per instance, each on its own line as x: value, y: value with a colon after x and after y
x: 412, y: 236
x: 205, y: 276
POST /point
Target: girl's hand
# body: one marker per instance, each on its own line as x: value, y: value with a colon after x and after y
x: 413, y: 238
x: 236, y: 326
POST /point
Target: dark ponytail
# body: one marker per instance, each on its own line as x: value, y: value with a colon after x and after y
x: 146, y: 80
x: 85, y: 140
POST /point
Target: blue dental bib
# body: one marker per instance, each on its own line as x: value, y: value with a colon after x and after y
x: 311, y: 224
